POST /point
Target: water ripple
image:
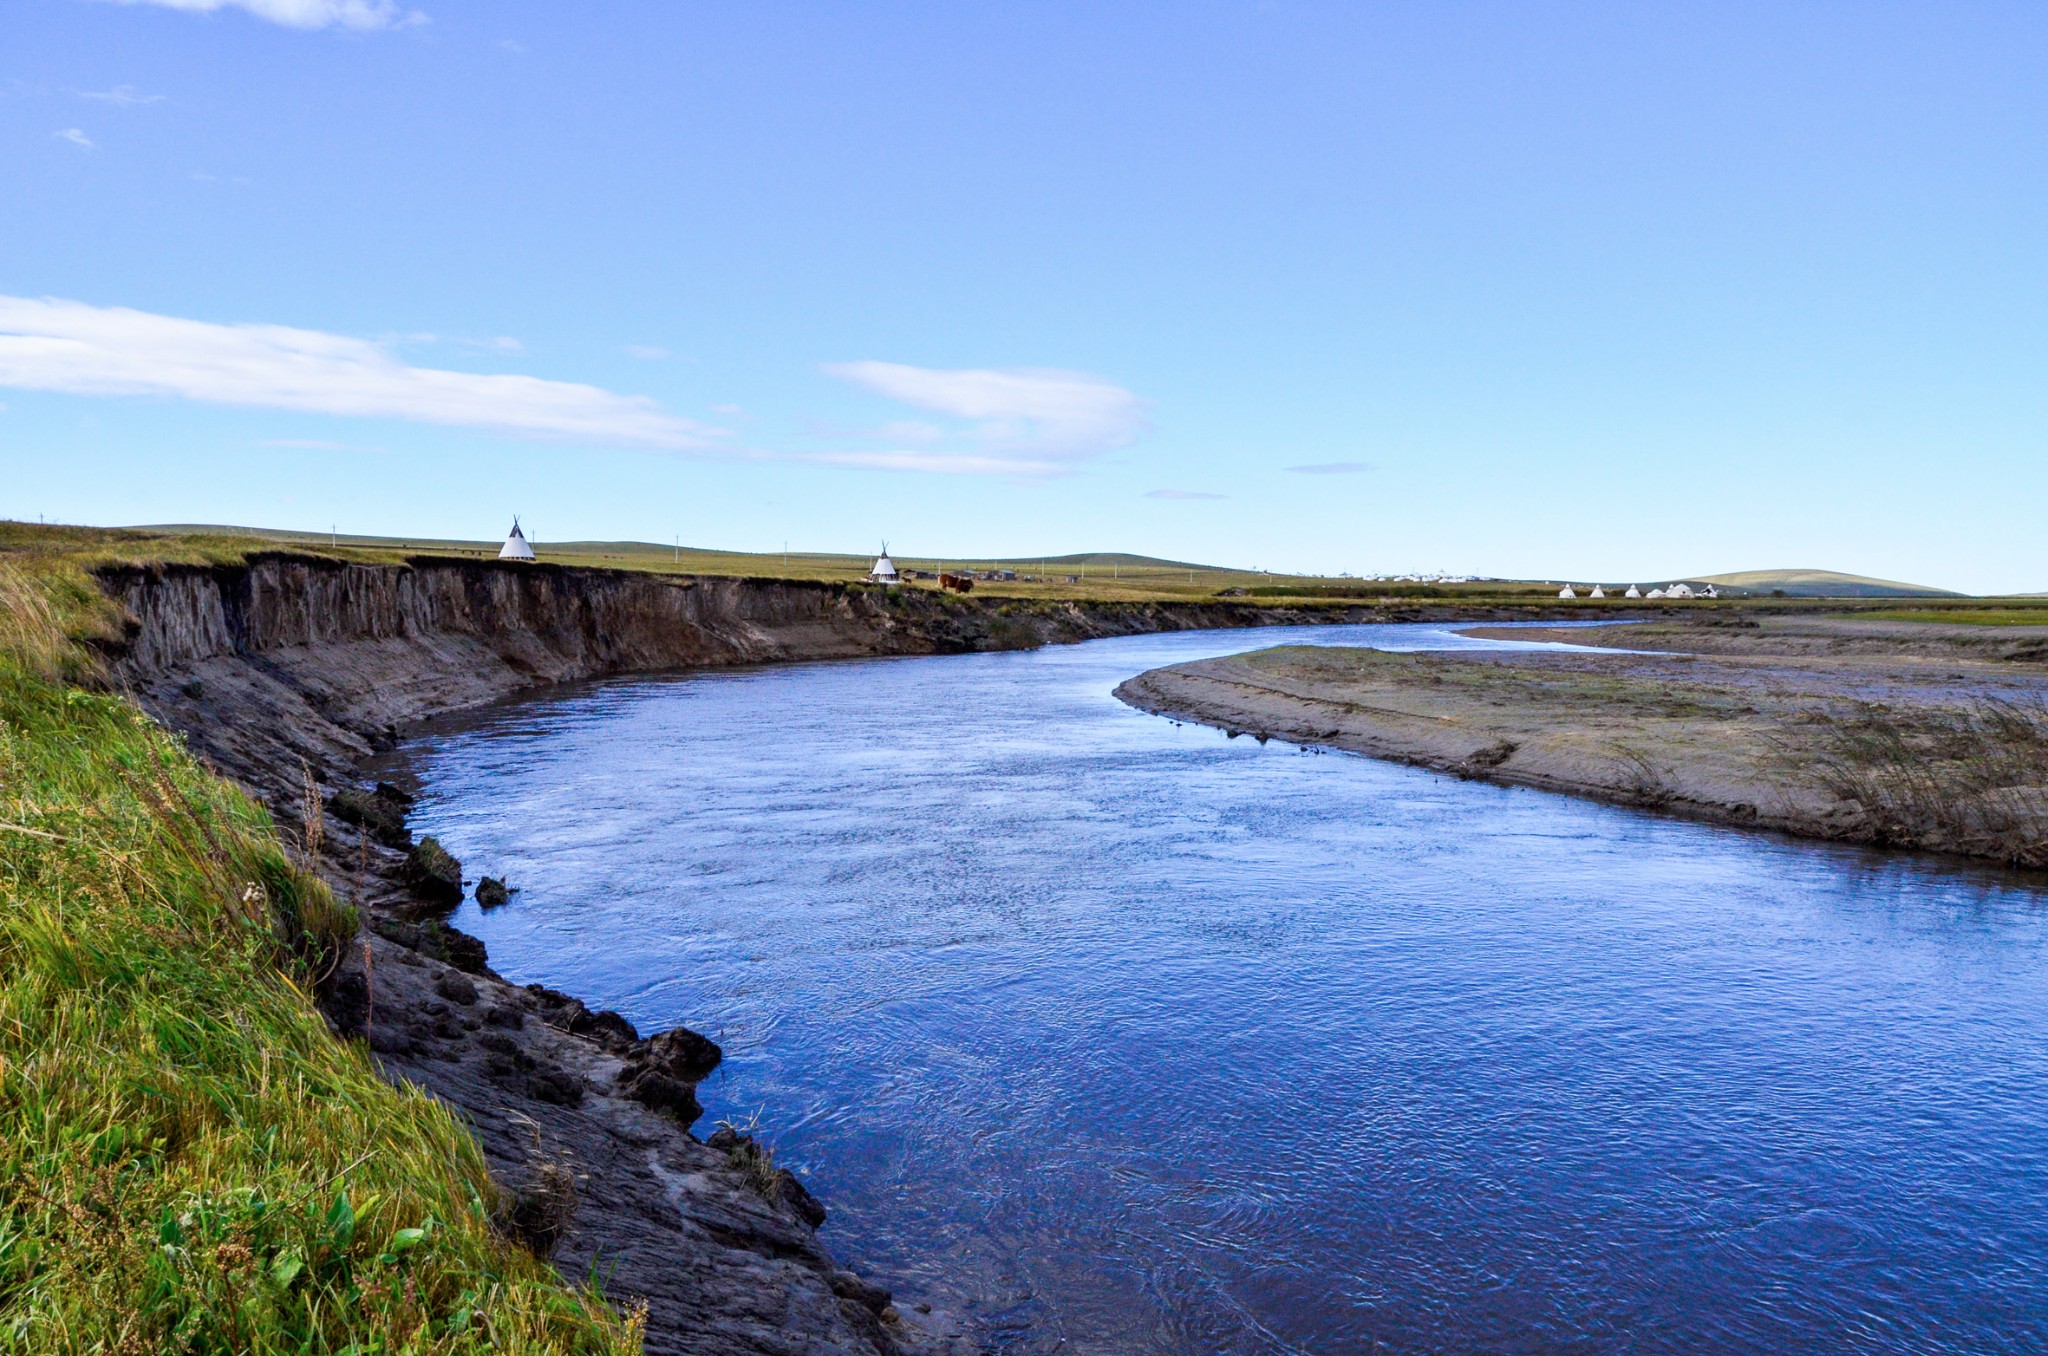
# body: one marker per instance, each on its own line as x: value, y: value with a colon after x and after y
x: 1124, y: 1037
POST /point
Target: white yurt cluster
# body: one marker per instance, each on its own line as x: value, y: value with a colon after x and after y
x: 1662, y: 592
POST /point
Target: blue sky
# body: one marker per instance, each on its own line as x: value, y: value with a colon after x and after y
x: 1589, y: 291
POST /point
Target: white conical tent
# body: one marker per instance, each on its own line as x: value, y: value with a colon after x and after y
x: 1633, y: 592
x: 1566, y: 592
x: 515, y: 547
x: 1597, y: 592
x: 884, y: 571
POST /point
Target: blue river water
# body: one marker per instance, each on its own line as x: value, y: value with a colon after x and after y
x: 1118, y: 1035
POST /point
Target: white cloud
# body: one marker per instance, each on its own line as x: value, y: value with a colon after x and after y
x: 75, y: 137
x: 912, y: 432
x: 1183, y: 494
x: 68, y: 346
x: 949, y: 463
x: 360, y: 14
x: 1022, y: 420
x: 1334, y: 468
x: 121, y: 96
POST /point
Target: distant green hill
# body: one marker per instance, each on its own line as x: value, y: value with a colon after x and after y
x: 1822, y: 584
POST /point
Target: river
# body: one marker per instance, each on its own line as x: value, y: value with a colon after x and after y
x: 1118, y: 1035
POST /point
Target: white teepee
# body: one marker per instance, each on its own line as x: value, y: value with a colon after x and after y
x: 515, y: 547
x: 1597, y: 592
x: 1566, y: 592
x: 884, y: 571
x: 1633, y: 592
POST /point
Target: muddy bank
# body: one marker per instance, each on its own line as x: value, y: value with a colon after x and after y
x: 1886, y: 733
x: 290, y: 667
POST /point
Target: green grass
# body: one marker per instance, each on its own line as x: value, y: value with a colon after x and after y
x: 189, y: 1161
x: 1968, y: 616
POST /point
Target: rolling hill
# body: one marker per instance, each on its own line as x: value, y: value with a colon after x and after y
x: 1822, y: 584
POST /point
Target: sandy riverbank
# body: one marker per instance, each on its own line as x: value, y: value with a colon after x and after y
x: 1881, y: 732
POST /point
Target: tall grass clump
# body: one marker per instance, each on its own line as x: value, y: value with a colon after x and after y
x: 189, y: 1161
x: 1971, y: 779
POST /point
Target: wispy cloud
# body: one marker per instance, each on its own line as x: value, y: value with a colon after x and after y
x: 121, y: 96
x: 75, y: 137
x: 69, y: 346
x: 646, y: 352
x: 1333, y: 468
x: 358, y: 14
x: 1183, y: 494
x: 1016, y: 420
x: 315, y: 445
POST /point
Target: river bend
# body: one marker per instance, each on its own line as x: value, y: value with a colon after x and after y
x: 1125, y: 1036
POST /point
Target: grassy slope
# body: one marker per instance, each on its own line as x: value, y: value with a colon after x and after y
x: 1822, y: 583
x: 189, y: 1162
x: 2003, y: 614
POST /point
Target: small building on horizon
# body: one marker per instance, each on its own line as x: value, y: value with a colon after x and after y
x: 884, y: 569
x: 516, y: 546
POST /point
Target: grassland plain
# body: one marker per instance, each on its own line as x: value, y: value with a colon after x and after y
x: 189, y: 1161
x: 1845, y: 727
x: 1104, y: 576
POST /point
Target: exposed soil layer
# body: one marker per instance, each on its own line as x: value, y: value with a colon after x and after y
x: 1894, y: 733
x: 290, y: 669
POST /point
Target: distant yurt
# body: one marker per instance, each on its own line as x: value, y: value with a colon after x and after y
x: 1633, y: 592
x: 1566, y: 592
x: 1678, y: 591
x: 1656, y: 593
x: 1597, y: 592
x: 515, y: 547
x: 884, y: 571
